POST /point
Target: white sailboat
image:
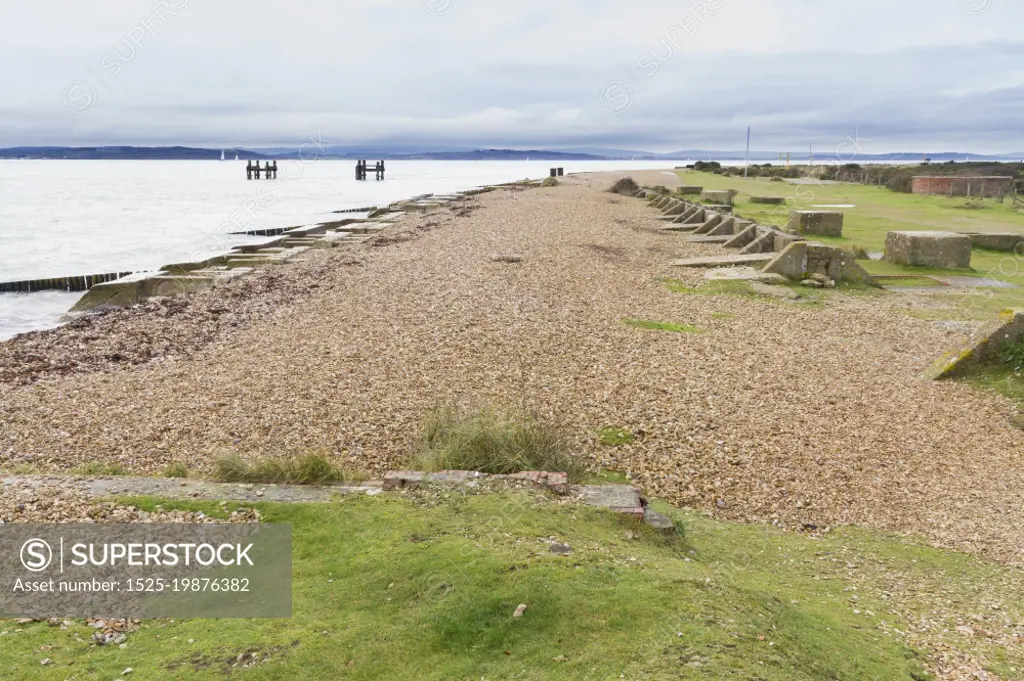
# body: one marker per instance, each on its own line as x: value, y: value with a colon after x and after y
x: 222, y: 155
x: 236, y: 155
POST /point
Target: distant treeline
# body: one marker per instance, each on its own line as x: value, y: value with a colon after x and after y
x: 897, y: 178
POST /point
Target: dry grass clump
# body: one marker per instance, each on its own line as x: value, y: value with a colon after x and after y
x: 627, y: 186
x: 311, y: 469
x: 492, y: 442
x: 552, y: 182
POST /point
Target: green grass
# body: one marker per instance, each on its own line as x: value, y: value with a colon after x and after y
x: 671, y: 327
x: 612, y: 436
x: 311, y: 469
x: 422, y: 586
x: 176, y: 470
x: 491, y: 441
x: 1013, y: 358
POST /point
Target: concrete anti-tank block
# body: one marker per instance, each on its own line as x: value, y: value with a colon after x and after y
x: 946, y: 250
x: 724, y: 197
x: 819, y: 223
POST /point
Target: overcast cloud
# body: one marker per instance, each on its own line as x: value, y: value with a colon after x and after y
x: 650, y: 74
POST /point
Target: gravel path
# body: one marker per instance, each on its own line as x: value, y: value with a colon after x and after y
x: 778, y: 412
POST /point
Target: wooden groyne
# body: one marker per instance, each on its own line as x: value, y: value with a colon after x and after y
x: 80, y: 283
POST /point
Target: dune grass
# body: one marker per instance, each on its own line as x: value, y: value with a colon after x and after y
x: 414, y: 586
x: 311, y: 469
x: 492, y: 441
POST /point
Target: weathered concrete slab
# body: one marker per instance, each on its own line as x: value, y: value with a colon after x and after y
x: 820, y: 223
x: 997, y: 241
x: 946, y: 250
x: 727, y: 227
x: 770, y: 200
x: 724, y: 197
x: 764, y: 242
x: 985, y: 346
x: 707, y: 239
x: 743, y: 238
x: 619, y: 498
x: 725, y: 260
x: 689, y: 190
x: 781, y: 240
x: 714, y: 219
x: 123, y: 292
x: 679, y: 208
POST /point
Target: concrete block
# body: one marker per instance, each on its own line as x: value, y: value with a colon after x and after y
x: 996, y: 241
x: 123, y: 292
x: 743, y: 238
x: 724, y: 197
x: 726, y: 260
x: 714, y: 219
x: 820, y: 223
x: 764, y: 242
x: 986, y: 346
x: 677, y: 209
x: 689, y: 190
x: 780, y: 240
x: 802, y: 259
x: 770, y: 200
x: 726, y: 227
x: 946, y: 250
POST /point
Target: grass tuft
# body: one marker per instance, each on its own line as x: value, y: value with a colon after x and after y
x: 661, y: 326
x: 176, y: 470
x: 549, y: 182
x: 99, y: 468
x: 310, y: 469
x: 612, y: 436
x: 1014, y: 357
x: 492, y: 442
x: 627, y: 186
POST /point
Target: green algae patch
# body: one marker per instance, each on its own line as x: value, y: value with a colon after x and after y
x: 671, y: 327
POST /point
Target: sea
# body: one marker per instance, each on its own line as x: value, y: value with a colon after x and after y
x: 70, y: 218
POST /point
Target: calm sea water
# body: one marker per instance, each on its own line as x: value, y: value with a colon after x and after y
x: 64, y: 218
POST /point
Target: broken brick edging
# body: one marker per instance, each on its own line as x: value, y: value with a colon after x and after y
x: 624, y: 499
x: 396, y: 480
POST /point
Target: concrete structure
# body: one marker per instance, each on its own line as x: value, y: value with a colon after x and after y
x: 689, y: 190
x: 770, y: 200
x: 726, y: 260
x: 986, y: 346
x: 804, y: 259
x: 948, y: 185
x: 945, y: 250
x: 996, y: 241
x: 818, y: 223
x: 724, y: 197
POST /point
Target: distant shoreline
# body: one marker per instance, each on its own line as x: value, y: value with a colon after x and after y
x: 179, y: 153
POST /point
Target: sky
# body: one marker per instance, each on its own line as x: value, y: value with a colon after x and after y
x: 871, y: 76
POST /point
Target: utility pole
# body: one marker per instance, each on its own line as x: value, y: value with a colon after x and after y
x: 746, y: 159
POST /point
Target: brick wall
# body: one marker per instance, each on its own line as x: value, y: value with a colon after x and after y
x: 962, y: 186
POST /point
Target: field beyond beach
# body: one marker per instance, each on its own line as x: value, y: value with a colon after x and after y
x: 806, y: 414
